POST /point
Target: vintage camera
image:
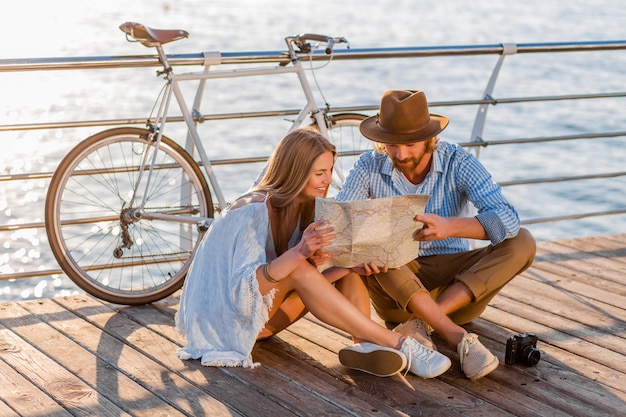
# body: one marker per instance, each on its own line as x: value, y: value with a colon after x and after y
x: 522, y: 348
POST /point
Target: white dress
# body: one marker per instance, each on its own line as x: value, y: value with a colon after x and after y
x: 221, y: 308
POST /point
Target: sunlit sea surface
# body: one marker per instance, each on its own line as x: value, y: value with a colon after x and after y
x: 71, y: 28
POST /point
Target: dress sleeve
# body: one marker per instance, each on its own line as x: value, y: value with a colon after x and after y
x: 221, y: 308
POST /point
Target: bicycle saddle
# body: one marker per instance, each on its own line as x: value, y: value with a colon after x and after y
x: 151, y: 37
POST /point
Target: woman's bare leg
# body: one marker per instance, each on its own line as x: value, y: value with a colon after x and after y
x: 353, y: 288
x: 290, y: 309
x: 326, y: 303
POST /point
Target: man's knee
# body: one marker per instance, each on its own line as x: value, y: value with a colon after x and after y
x: 502, y: 264
x: 399, y: 285
x: 390, y: 293
x: 524, y: 248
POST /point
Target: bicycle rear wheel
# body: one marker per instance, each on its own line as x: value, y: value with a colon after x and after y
x: 344, y: 133
x: 97, y: 239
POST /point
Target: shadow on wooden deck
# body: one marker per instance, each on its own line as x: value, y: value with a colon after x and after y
x: 78, y: 356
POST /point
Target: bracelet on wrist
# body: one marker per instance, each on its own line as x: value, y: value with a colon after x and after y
x: 266, y: 274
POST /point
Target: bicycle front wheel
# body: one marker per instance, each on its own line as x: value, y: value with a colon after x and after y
x: 344, y: 133
x: 101, y: 241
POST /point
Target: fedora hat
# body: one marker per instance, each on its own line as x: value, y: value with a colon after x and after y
x: 403, y: 118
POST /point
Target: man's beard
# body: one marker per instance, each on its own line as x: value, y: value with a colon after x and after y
x: 409, y: 165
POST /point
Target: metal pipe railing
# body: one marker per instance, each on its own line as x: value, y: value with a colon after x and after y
x: 256, y: 57
x: 94, y: 62
x: 292, y: 112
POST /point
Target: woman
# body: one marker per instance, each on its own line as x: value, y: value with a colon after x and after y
x: 254, y: 274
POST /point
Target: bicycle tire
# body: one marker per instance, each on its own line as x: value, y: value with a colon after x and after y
x: 86, y: 215
x: 344, y: 133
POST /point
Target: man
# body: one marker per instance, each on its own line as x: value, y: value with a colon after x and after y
x: 449, y: 284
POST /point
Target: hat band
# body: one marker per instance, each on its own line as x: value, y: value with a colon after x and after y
x: 401, y: 131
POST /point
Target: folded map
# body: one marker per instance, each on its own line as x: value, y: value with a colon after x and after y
x: 378, y: 231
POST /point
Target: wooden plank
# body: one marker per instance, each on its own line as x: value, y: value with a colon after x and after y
x: 567, y: 357
x: 502, y: 324
x: 575, y: 376
x: 591, y: 267
x: 20, y: 396
x: 573, y: 336
x: 6, y: 411
x: 279, y: 355
x: 108, y: 380
x: 586, y: 256
x: 262, y: 392
x: 309, y: 340
x: 559, y: 279
x: 524, y: 386
x: 275, y: 355
x: 483, y: 397
x: 96, y: 328
x: 59, y: 383
x: 318, y: 352
x: 619, y: 238
x: 564, y: 402
x: 573, y: 297
x: 323, y: 343
x: 614, y: 246
x: 391, y: 391
x: 608, y: 320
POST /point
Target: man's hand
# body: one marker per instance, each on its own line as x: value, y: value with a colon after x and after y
x: 434, y: 228
x: 438, y: 228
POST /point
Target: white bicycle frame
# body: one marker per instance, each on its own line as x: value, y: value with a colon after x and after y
x: 193, y: 137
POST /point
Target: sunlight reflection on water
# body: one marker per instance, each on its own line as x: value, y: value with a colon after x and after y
x: 79, y: 28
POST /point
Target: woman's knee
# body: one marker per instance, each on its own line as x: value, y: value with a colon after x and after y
x: 305, y: 270
x: 285, y: 312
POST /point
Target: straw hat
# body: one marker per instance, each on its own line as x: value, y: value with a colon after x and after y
x: 403, y: 118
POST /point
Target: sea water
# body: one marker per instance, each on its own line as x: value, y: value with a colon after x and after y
x: 72, y: 28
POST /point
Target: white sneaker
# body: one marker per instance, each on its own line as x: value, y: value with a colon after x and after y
x: 418, y: 330
x: 373, y: 359
x: 422, y: 361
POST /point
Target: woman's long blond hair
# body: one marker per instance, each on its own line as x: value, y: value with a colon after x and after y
x: 288, y: 172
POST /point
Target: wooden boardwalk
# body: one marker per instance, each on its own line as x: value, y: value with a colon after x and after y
x: 77, y: 356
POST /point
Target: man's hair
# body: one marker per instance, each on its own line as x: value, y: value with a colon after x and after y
x: 431, y: 145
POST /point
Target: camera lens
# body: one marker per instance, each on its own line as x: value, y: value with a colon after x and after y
x: 531, y: 356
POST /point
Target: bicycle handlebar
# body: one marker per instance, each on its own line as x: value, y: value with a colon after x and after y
x: 301, y: 41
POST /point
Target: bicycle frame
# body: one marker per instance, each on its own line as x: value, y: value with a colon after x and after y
x: 131, y: 248
x: 193, y: 141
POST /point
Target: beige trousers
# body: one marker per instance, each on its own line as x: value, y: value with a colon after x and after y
x: 484, y: 271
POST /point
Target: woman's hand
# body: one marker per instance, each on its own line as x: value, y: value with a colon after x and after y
x: 319, y: 257
x: 314, y: 239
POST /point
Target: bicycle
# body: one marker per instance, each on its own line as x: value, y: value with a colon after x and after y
x: 127, y: 207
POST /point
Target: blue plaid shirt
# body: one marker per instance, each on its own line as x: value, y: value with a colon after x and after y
x: 456, y: 180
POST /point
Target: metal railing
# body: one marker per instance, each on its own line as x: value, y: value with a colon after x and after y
x: 476, y: 141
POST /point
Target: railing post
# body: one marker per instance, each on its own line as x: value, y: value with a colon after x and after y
x: 481, y: 115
